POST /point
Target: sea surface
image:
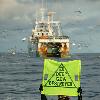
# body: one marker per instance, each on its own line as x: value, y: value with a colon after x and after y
x: 21, y: 76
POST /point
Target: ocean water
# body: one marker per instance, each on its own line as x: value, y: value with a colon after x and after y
x: 21, y: 76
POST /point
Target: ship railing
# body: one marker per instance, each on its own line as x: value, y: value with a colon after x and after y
x: 59, y: 37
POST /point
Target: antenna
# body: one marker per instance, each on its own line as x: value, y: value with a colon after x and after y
x: 46, y: 4
x: 42, y: 11
x: 42, y: 3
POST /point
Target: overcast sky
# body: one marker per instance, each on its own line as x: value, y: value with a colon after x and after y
x: 17, y: 19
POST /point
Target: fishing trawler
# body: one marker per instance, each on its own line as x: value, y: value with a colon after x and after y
x: 47, y: 39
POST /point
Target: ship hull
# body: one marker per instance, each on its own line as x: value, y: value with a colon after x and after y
x: 55, y: 47
x: 50, y: 47
x: 51, y: 52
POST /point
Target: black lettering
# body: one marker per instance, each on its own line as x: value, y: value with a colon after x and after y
x: 54, y: 83
x: 65, y: 84
x: 64, y: 79
x: 60, y: 79
x: 66, y: 73
x: 61, y: 84
x: 49, y: 82
x: 69, y: 84
x: 59, y: 73
x: 61, y: 69
x: 62, y: 73
x: 57, y: 78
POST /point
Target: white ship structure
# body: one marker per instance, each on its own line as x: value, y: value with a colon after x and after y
x: 47, y: 39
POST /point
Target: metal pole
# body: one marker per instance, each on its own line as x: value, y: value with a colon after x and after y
x: 80, y: 93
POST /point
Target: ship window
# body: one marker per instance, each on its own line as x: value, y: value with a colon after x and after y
x: 41, y: 30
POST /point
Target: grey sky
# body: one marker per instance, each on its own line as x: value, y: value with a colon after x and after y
x: 17, y: 18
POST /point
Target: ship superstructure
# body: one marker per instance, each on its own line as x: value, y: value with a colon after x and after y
x: 47, y: 38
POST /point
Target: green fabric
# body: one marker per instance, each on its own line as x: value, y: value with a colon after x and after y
x: 61, y: 78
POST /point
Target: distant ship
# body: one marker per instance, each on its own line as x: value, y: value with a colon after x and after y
x: 47, y: 39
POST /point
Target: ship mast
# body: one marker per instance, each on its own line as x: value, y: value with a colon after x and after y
x: 42, y: 11
x: 42, y: 14
x: 51, y: 24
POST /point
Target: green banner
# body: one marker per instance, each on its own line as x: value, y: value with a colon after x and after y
x: 61, y: 78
